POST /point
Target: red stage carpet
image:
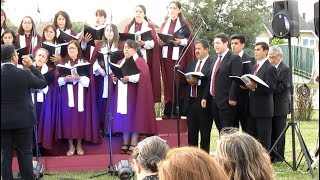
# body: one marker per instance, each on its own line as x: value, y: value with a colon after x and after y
x: 97, y: 155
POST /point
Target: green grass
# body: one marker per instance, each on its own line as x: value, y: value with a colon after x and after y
x: 309, y: 131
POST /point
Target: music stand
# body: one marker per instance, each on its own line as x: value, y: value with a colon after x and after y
x: 110, y: 169
x: 176, y: 83
x: 295, y: 130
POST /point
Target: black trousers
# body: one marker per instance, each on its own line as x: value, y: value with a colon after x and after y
x: 168, y: 108
x: 261, y: 128
x: 22, y: 140
x: 199, y: 120
x: 278, y: 125
x: 223, y: 117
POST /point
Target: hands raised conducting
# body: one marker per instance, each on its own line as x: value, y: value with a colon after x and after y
x: 26, y: 61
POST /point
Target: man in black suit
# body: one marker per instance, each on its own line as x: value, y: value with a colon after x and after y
x: 199, y: 119
x: 17, y: 112
x: 281, y: 99
x: 237, y: 46
x: 261, y: 106
x: 221, y: 92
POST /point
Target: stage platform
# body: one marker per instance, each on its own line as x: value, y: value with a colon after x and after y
x: 97, y: 155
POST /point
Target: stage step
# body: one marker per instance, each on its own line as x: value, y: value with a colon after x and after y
x: 97, y: 155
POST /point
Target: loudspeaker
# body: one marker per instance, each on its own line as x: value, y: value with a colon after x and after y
x: 316, y: 18
x: 285, y: 21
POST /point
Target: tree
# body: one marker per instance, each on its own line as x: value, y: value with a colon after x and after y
x: 229, y: 16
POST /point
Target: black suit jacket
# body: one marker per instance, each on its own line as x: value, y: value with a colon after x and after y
x: 200, y: 88
x: 261, y: 100
x: 225, y: 88
x: 247, y: 67
x: 281, y: 95
x: 17, y: 110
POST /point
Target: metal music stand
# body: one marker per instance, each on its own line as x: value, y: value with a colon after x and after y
x: 176, y: 83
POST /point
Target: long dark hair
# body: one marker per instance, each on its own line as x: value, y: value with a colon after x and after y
x: 145, y: 13
x: 180, y: 15
x: 79, y: 56
x: 33, y: 30
x: 4, y: 25
x: 6, y: 31
x: 66, y: 16
x: 115, y: 40
x: 134, y: 45
x: 46, y: 29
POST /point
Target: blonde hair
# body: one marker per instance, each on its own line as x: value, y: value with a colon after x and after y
x: 190, y: 163
x: 243, y: 157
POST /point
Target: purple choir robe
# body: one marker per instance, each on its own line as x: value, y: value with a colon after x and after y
x: 140, y: 115
x: 72, y: 124
x: 27, y: 42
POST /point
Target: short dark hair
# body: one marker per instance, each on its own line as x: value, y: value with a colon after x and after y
x: 240, y: 37
x: 101, y: 12
x: 224, y: 38
x: 7, y: 52
x: 204, y: 43
x: 263, y: 45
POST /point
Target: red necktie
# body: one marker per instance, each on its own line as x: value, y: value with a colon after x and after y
x: 194, y: 87
x: 256, y: 69
x: 213, y: 77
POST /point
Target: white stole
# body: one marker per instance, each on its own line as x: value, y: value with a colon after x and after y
x: 83, y: 82
x: 122, y: 99
x: 175, y: 51
x: 22, y: 41
x: 42, y: 92
x: 144, y: 28
x: 68, y: 31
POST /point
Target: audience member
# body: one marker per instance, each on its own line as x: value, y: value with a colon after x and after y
x: 146, y: 156
x: 190, y: 163
x: 242, y: 156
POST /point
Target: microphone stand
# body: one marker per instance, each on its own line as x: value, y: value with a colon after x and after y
x: 110, y: 166
x: 176, y: 84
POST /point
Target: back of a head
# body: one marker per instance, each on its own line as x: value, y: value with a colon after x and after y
x: 7, y: 51
x: 243, y: 157
x: 149, y: 152
x: 190, y: 163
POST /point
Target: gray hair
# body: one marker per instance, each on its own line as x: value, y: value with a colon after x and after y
x: 150, y: 151
x: 275, y: 49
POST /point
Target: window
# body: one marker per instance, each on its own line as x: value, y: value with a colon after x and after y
x: 308, y: 42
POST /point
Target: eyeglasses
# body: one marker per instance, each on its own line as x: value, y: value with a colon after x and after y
x: 71, y: 47
x: 27, y: 22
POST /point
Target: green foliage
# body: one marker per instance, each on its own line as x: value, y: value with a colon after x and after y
x: 78, y: 26
x: 229, y: 16
x: 277, y: 41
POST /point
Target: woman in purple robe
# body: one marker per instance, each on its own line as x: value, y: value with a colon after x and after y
x: 27, y: 35
x: 171, y: 54
x: 149, y: 49
x: 134, y: 109
x: 78, y: 116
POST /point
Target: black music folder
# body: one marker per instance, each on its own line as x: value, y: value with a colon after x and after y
x: 83, y: 69
x: 65, y: 38
x: 96, y: 33
x: 127, y: 69
x: 55, y: 49
x: 21, y: 52
x: 138, y: 36
x: 181, y: 33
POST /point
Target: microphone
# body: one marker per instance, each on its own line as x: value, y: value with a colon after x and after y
x: 204, y: 23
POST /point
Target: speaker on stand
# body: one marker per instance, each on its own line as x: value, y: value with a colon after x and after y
x: 285, y: 24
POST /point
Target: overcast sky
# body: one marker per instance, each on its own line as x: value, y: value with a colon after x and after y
x: 83, y: 10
